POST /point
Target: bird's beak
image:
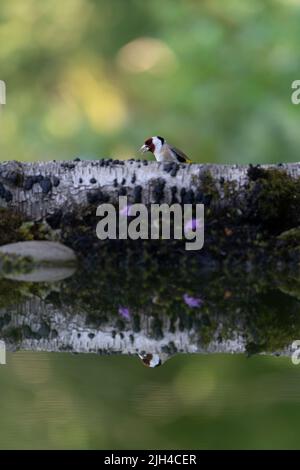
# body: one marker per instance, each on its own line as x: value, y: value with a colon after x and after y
x: 144, y: 148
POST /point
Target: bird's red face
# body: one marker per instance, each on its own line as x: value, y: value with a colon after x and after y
x: 148, y: 146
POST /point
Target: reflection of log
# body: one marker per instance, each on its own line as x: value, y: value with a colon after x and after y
x: 253, y: 311
x: 38, y: 326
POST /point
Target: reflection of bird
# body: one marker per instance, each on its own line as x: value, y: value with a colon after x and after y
x: 163, y: 152
x: 150, y: 360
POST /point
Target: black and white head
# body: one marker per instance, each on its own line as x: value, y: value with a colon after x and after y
x: 153, y: 144
x: 150, y: 360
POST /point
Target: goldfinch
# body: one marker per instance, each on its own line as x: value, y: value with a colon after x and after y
x: 163, y: 152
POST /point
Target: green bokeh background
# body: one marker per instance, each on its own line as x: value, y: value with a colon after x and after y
x: 94, y: 78
x: 213, y: 77
x: 197, y: 402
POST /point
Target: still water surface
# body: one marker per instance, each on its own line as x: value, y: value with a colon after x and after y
x: 85, y: 401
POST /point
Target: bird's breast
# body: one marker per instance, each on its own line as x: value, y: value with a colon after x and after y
x: 165, y: 155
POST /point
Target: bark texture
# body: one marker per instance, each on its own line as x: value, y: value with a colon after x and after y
x: 41, y: 188
x: 37, y: 325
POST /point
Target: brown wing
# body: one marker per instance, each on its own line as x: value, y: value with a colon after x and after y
x: 181, y: 157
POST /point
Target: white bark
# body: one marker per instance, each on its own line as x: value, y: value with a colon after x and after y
x: 63, y: 330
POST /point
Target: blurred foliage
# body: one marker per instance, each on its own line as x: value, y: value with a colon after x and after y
x: 192, y: 402
x: 95, y: 78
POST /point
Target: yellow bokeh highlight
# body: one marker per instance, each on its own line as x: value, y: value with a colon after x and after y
x: 147, y: 55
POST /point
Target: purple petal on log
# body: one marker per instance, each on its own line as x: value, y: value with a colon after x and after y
x: 192, y: 224
x: 124, y: 312
x: 125, y: 211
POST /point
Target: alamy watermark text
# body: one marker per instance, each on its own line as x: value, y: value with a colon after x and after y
x: 159, y: 221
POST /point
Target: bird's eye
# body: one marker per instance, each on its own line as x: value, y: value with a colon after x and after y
x: 148, y: 141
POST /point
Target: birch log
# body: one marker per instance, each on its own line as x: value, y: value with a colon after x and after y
x: 41, y: 188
